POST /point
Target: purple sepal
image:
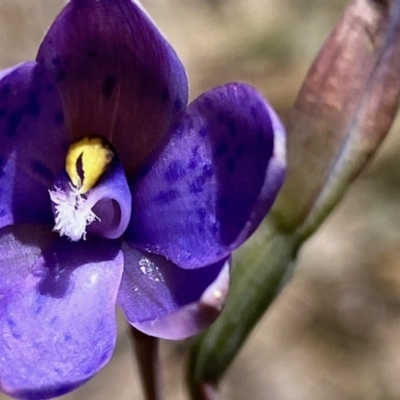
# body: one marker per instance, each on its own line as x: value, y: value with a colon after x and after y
x: 57, y: 323
x: 33, y: 143
x: 169, y: 302
x: 117, y: 75
x: 213, y: 179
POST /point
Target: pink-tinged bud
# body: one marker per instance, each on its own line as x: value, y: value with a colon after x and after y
x: 344, y: 110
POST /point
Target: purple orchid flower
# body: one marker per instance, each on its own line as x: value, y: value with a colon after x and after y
x: 114, y: 191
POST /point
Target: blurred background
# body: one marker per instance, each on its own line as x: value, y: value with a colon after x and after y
x: 334, y: 332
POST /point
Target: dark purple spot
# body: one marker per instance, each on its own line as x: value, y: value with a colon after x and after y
x: 68, y: 337
x: 232, y: 128
x: 222, y: 148
x: 2, y: 165
x: 38, y: 309
x: 231, y: 164
x: 253, y: 112
x: 91, y: 53
x: 203, y: 132
x: 5, y: 90
x: 49, y: 88
x: 40, y: 169
x: 239, y: 151
x: 178, y: 104
x: 89, y: 370
x: 174, y: 172
x: 3, y: 112
x: 56, y: 61
x: 260, y: 169
x: 60, y: 75
x: 261, y: 135
x: 53, y: 320
x: 196, y: 159
x: 179, y: 131
x: 201, y: 214
x: 2, y: 212
x: 65, y: 146
x: 208, y: 171
x: 222, y: 203
x: 166, y: 196
x: 165, y: 96
x: 13, y: 122
x: 208, y: 103
x: 59, y: 117
x: 193, y: 163
x: 108, y: 86
x: 188, y: 122
x: 33, y: 106
x: 200, y: 228
x: 104, y: 357
x: 197, y: 186
x: 13, y: 328
x: 215, y: 228
x: 16, y: 334
x: 144, y: 170
x: 195, y: 150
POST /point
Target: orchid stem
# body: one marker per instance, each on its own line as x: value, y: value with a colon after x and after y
x: 146, y: 350
x: 252, y: 291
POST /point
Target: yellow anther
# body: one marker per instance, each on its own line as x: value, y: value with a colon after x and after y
x: 87, y: 159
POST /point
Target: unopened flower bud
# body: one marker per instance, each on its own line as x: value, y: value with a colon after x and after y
x: 343, y: 111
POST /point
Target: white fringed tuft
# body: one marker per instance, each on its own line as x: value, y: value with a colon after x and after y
x: 71, y: 215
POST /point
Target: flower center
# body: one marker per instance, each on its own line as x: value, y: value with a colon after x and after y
x: 86, y: 161
x: 92, y: 193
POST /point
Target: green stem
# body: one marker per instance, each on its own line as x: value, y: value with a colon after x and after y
x: 257, y: 278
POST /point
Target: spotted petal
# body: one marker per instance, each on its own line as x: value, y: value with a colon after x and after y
x: 57, y: 322
x: 212, y: 180
x: 117, y: 75
x: 33, y: 142
x: 169, y: 302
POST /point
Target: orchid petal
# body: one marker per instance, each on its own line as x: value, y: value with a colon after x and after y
x: 57, y: 324
x: 117, y: 75
x: 33, y: 142
x: 21, y: 246
x: 169, y: 302
x: 212, y: 181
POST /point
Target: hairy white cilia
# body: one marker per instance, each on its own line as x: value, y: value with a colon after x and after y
x: 72, y: 215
